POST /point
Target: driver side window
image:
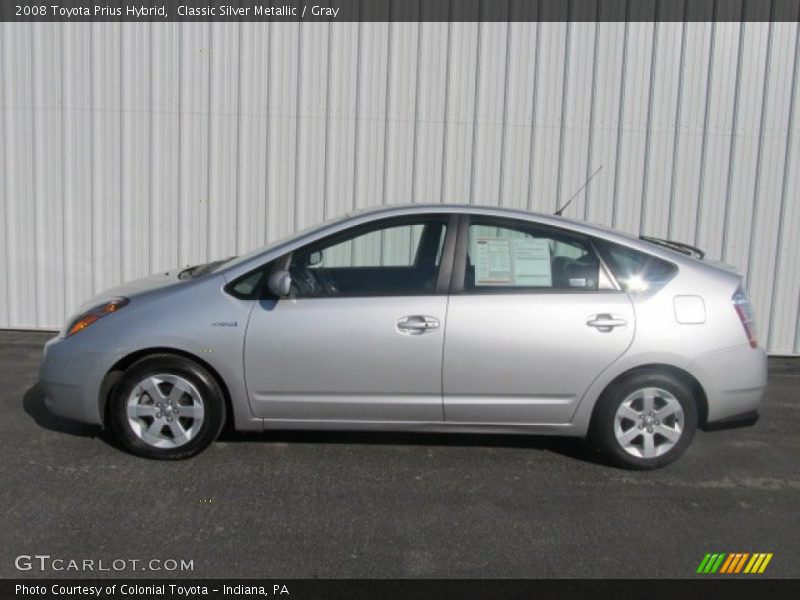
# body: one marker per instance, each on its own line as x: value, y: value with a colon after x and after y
x: 385, y: 258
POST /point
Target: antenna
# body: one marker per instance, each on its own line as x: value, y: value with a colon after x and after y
x: 566, y: 204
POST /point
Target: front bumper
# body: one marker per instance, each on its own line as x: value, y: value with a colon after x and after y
x: 734, y: 380
x: 70, y: 376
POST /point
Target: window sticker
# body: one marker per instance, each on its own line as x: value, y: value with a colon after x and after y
x: 517, y: 262
x: 532, y: 262
x: 493, y: 261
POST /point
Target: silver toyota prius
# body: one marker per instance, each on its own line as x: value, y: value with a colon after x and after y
x: 422, y: 318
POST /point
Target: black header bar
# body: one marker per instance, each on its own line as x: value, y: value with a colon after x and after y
x: 731, y: 588
x: 397, y: 10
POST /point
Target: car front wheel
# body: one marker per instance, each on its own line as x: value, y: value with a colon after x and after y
x: 645, y: 421
x: 166, y: 407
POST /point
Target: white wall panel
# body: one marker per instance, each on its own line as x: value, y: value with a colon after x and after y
x: 633, y: 136
x: 578, y: 104
x: 462, y: 75
x: 490, y: 102
x: 690, y: 119
x: 576, y: 126
x: 108, y: 139
x: 771, y: 162
x: 665, y: 87
x: 164, y: 153
x: 75, y: 156
x: 132, y: 148
x: 783, y: 324
x: 551, y: 56
x: 432, y: 85
x: 194, y: 83
x: 312, y: 108
x: 341, y: 119
x: 286, y: 49
x: 135, y: 116
x: 19, y: 174
x: 223, y: 143
x: 48, y: 175
x: 253, y: 125
x: 609, y: 47
x: 401, y: 106
x: 718, y: 147
x: 520, y: 82
x: 372, y: 93
x: 5, y: 255
x: 746, y: 145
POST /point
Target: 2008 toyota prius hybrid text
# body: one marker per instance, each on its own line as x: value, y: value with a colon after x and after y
x: 422, y: 318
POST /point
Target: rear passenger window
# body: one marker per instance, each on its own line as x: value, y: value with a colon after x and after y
x: 525, y: 256
x: 636, y: 271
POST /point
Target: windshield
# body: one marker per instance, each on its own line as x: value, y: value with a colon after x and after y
x: 234, y: 261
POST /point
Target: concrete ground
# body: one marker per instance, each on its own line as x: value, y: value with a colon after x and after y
x: 296, y: 505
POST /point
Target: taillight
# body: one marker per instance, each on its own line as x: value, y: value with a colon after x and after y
x: 745, y: 311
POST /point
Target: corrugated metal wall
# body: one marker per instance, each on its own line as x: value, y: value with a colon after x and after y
x: 131, y: 148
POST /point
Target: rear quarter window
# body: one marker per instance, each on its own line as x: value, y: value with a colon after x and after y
x: 634, y: 270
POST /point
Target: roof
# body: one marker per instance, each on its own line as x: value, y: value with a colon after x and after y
x: 365, y: 215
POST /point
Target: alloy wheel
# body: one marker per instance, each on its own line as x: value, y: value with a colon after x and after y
x: 649, y: 422
x: 165, y: 410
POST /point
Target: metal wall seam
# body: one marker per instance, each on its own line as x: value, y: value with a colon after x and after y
x: 562, y: 128
x: 648, y: 134
x: 620, y: 126
x: 504, y: 118
x: 35, y: 180
x: 534, y: 115
x: 5, y: 250
x: 780, y: 256
x: 590, y: 167
x: 676, y: 133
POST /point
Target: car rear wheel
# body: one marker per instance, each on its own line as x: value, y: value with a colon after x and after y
x: 166, y: 407
x: 645, y: 421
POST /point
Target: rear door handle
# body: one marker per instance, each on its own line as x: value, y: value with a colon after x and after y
x: 605, y: 322
x: 417, y: 324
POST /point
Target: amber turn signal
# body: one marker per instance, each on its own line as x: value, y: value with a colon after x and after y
x: 95, y: 314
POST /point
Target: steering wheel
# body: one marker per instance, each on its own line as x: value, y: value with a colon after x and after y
x: 303, y: 281
x: 311, y: 282
x: 325, y: 282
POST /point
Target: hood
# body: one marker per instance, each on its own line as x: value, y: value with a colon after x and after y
x: 133, y: 288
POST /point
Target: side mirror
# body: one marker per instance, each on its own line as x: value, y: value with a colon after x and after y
x: 315, y: 258
x: 280, y: 283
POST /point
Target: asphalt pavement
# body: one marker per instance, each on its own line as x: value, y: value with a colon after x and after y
x: 342, y: 505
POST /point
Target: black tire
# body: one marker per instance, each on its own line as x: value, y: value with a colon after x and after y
x: 602, y: 430
x: 211, y: 399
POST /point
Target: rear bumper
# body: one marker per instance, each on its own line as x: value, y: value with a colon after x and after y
x: 734, y: 380
x: 744, y: 420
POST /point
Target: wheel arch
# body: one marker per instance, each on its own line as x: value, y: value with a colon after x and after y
x: 114, y: 374
x: 698, y: 393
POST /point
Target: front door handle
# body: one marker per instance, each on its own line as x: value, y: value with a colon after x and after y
x: 605, y: 322
x: 417, y: 324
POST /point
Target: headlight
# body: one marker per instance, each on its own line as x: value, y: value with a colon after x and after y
x: 95, y: 314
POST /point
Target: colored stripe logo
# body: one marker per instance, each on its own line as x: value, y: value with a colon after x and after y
x: 734, y: 562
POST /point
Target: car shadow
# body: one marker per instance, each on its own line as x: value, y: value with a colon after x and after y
x: 566, y: 446
x: 34, y: 406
